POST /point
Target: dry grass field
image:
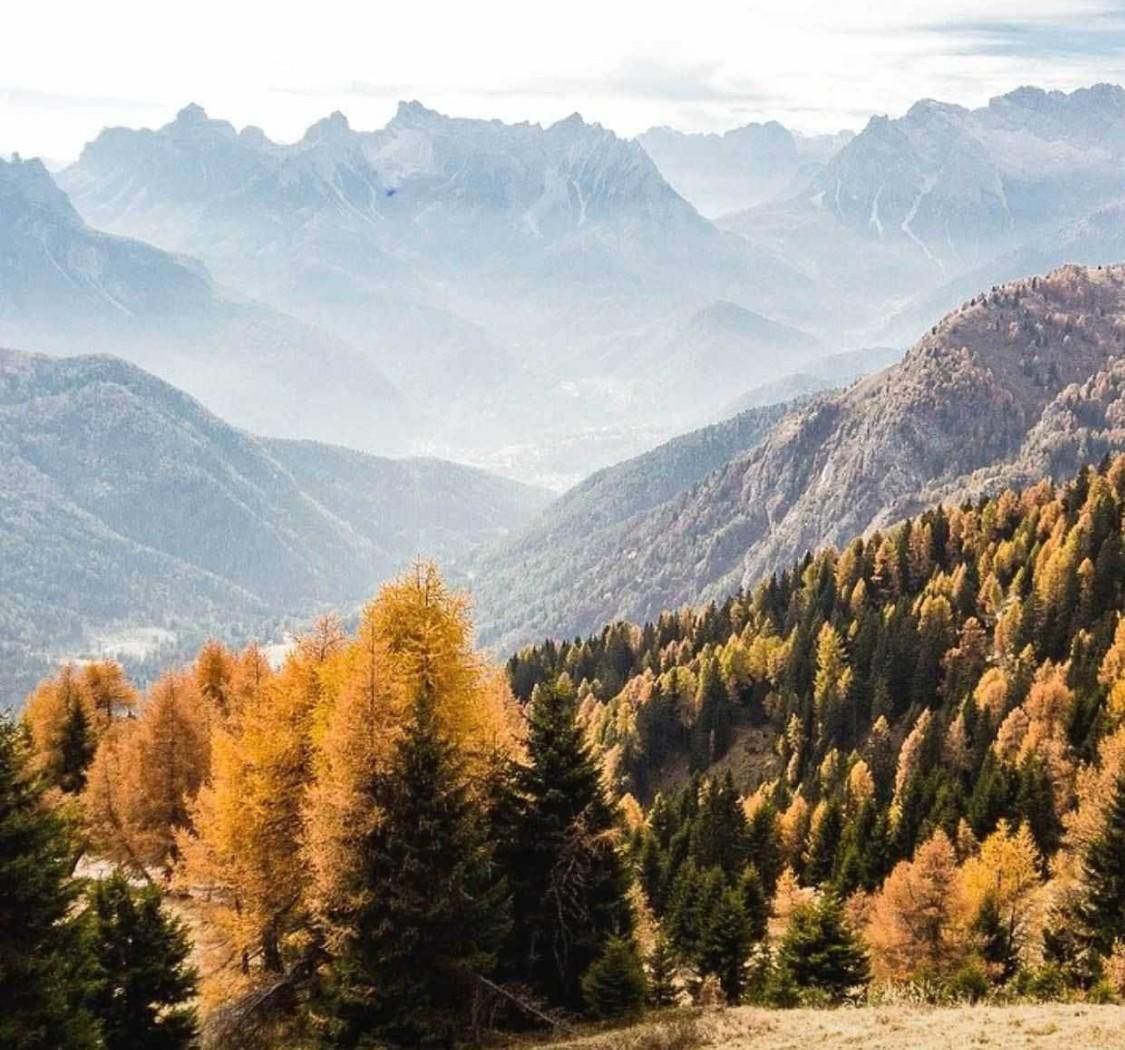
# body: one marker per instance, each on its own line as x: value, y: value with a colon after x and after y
x: 1046, y: 1027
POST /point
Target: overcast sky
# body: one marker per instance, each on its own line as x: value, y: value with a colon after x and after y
x: 67, y: 69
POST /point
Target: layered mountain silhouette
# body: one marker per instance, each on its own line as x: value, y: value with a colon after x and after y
x: 740, y: 168
x: 1023, y: 381
x: 125, y: 507
x: 485, y: 267
x: 68, y: 288
x: 918, y: 212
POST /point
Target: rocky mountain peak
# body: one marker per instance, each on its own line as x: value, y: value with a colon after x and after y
x: 414, y: 114
x: 28, y: 184
x: 333, y: 128
x: 192, y: 113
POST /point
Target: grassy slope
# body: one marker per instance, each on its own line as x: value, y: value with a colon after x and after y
x: 1050, y: 1027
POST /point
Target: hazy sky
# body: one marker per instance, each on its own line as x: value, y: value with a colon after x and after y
x: 67, y: 68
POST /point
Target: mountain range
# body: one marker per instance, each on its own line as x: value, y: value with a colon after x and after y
x: 484, y: 267
x: 68, y: 288
x: 918, y: 212
x: 740, y: 168
x: 1023, y: 381
x: 128, y: 511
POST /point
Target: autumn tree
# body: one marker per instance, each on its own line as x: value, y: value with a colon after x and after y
x: 832, y: 685
x: 165, y: 760
x: 915, y: 927
x: 247, y: 822
x: 109, y: 694
x: 1001, y: 882
x: 415, y: 635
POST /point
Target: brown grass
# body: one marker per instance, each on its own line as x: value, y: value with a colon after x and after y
x: 1045, y: 1027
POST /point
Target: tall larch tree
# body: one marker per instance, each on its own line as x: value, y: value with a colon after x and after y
x: 248, y: 820
x: 165, y: 761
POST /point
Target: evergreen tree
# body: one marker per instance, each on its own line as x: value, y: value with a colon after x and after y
x: 712, y: 727
x: 819, y: 951
x: 615, y: 984
x: 143, y: 981
x: 45, y: 969
x: 755, y: 901
x: 76, y: 749
x: 432, y: 909
x: 823, y: 844
x: 1101, y: 911
x: 763, y: 839
x: 725, y: 944
x: 570, y: 882
x: 995, y: 936
x: 719, y: 831
x: 662, y: 971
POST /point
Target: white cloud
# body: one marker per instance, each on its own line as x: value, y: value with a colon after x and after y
x: 813, y: 63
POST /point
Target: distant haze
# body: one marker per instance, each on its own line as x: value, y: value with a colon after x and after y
x: 70, y: 69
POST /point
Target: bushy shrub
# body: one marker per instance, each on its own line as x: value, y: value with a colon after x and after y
x: 615, y: 984
x: 970, y: 981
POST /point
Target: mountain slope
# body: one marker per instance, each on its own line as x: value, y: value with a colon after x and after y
x: 66, y: 288
x: 125, y: 505
x: 524, y: 587
x: 995, y: 386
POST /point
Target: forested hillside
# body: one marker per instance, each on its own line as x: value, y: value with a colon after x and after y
x: 935, y: 710
x: 128, y: 511
x: 899, y: 765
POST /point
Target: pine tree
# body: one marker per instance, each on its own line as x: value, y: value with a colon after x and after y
x: 615, y: 984
x: 823, y: 844
x: 995, y: 935
x: 662, y: 972
x: 763, y: 838
x: 1101, y: 910
x: 76, y: 749
x: 712, y: 727
x: 819, y: 951
x: 570, y: 884
x: 725, y: 944
x: 44, y: 966
x: 431, y: 908
x: 755, y: 901
x: 719, y: 831
x: 143, y: 984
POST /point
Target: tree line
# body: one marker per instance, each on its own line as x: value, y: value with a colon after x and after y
x: 899, y: 762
